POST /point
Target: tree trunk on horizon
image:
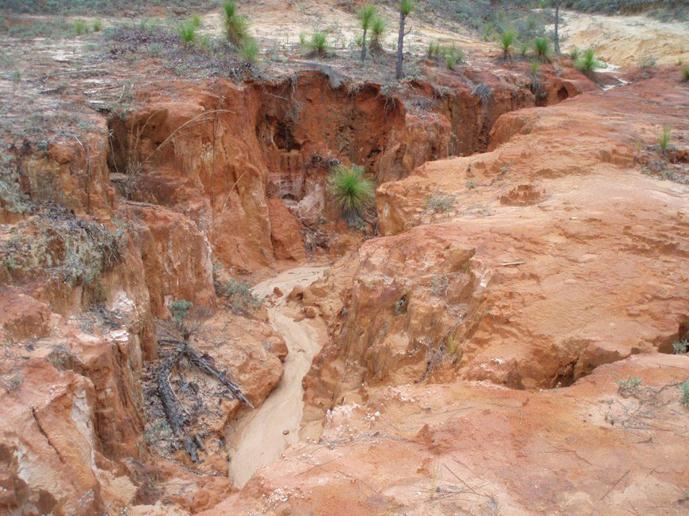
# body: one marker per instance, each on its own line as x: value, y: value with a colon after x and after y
x: 400, y: 47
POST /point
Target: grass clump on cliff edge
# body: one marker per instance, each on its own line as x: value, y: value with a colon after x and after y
x: 685, y: 73
x: 587, y: 62
x: 317, y: 44
x: 236, y: 27
x: 507, y: 39
x: 542, y: 48
x: 351, y: 191
x: 664, y: 140
x: 187, y: 31
x: 377, y: 30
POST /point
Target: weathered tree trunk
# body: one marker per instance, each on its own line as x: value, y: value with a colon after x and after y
x: 556, y: 36
x: 363, y: 47
x: 400, y: 47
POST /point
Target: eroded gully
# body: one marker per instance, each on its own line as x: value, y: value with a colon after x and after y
x: 263, y: 434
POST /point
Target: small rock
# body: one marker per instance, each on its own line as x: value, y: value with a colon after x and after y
x: 310, y: 312
x: 285, y: 432
x: 277, y: 292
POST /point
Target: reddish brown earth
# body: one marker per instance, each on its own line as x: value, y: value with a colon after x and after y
x: 521, y: 263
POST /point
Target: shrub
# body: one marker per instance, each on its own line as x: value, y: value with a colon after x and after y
x: 452, y: 55
x: 377, y: 30
x: 440, y: 203
x: 684, y: 388
x: 366, y: 16
x: 433, y: 51
x: 351, y: 190
x: 236, y: 27
x: 647, y: 63
x: 587, y: 63
x: 250, y: 49
x: 542, y: 48
x: 80, y: 27
x: 664, y: 140
x: 187, y: 31
x: 680, y: 347
x: 685, y: 74
x: 317, y: 43
x: 180, y: 310
x: 535, y: 70
x: 628, y: 386
x: 507, y: 40
x: 97, y: 26
x: 238, y: 295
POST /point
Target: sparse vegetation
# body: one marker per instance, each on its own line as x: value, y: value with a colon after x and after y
x: 629, y: 386
x: 405, y: 8
x: 574, y: 54
x: 507, y: 39
x: 680, y: 347
x: 196, y: 21
x: 236, y: 26
x: 587, y: 63
x: 249, y: 50
x: 452, y: 56
x: 433, y: 51
x: 62, y: 246
x: 377, y: 30
x: 440, y: 203
x: 685, y: 73
x: 97, y: 25
x: 664, y: 140
x: 542, y: 48
x: 187, y: 31
x: 684, y: 389
x: 80, y: 27
x: 366, y: 16
x: 238, y: 295
x: 351, y: 191
x: 317, y: 43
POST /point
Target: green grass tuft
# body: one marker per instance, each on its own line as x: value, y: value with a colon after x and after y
x: 97, y: 25
x: 317, y: 43
x: 249, y: 49
x: 406, y: 6
x: 80, y: 27
x: 236, y: 27
x: 542, y: 47
x: 351, y: 191
x: 507, y: 39
x: 664, y: 140
x: 587, y: 63
x: 187, y: 31
x: 452, y: 56
x: 685, y: 73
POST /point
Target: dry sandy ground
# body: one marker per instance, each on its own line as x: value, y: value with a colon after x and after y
x: 627, y: 41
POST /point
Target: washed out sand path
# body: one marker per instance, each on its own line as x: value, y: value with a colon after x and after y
x: 262, y: 435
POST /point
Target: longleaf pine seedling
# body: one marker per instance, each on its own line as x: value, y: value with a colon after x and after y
x: 366, y: 16
x: 351, y: 191
x: 542, y: 48
x: 506, y: 41
x: 664, y: 141
x: 236, y: 26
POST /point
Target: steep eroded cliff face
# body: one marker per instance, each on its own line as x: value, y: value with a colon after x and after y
x: 106, y: 230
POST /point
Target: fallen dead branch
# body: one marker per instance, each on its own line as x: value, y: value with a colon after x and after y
x: 174, y: 412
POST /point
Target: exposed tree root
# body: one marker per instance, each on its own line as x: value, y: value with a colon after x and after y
x: 174, y: 412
